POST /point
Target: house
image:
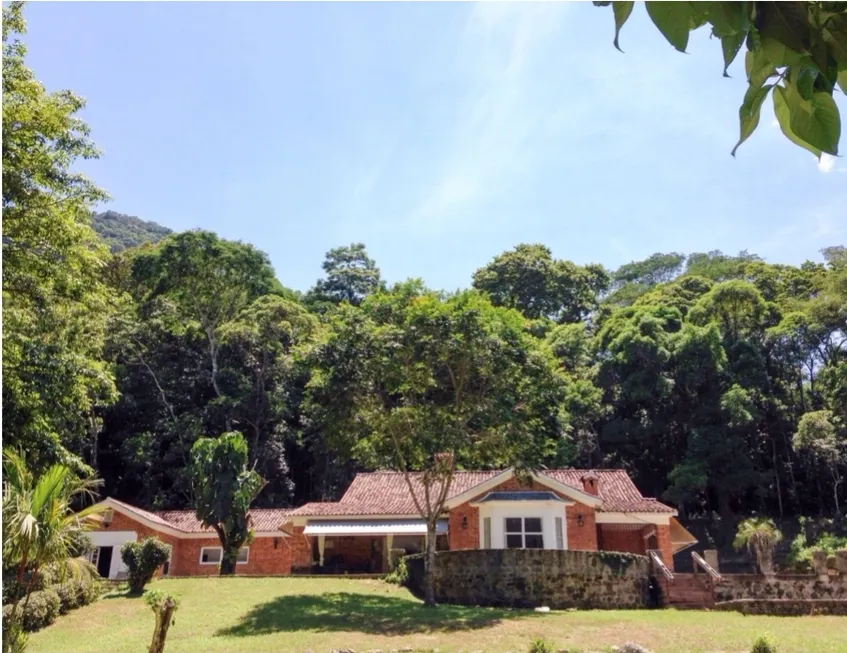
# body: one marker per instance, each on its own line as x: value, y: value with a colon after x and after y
x: 557, y: 509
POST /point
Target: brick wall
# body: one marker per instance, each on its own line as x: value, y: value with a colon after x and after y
x: 264, y: 557
x: 579, y: 537
x: 301, y: 548
x: 663, y: 538
x: 614, y: 538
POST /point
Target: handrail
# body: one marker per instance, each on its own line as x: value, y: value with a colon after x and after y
x: 698, y: 560
x: 660, y: 564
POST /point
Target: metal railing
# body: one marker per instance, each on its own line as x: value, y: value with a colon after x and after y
x: 659, y: 564
x: 705, y: 566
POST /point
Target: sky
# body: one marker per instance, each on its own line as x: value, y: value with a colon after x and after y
x: 438, y: 134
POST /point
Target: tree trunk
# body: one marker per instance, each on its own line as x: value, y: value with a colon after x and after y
x: 164, y: 617
x: 776, y: 477
x: 429, y: 566
x: 228, y: 560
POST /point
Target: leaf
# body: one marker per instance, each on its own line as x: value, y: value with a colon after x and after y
x: 622, y: 12
x: 816, y: 120
x: 758, y: 67
x: 748, y: 114
x: 602, y: 3
x: 783, y: 117
x: 731, y: 44
x: 786, y: 22
x: 842, y: 80
x: 673, y: 20
x: 834, y: 34
x: 778, y: 53
x: 728, y: 18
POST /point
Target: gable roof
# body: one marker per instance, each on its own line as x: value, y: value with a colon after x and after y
x: 185, y: 521
x: 386, y: 493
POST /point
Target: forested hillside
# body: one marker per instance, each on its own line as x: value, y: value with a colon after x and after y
x: 718, y: 381
x: 121, y: 231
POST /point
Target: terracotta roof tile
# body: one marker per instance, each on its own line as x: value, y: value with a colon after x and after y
x: 146, y: 514
x: 386, y: 493
x: 263, y: 520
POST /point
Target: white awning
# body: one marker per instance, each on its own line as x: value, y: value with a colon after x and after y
x: 372, y: 527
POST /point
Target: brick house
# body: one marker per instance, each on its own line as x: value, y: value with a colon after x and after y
x: 558, y: 509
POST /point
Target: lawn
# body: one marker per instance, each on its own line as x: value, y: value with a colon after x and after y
x: 272, y: 615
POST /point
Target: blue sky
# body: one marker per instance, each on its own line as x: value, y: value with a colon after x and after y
x: 439, y: 134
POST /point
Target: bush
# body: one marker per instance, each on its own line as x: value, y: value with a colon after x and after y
x: 400, y: 574
x: 540, y: 645
x: 41, y: 610
x: 75, y: 593
x: 142, y: 559
x: 763, y: 645
x: 800, y: 552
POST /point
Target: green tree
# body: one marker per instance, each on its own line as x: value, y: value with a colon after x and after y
x: 796, y: 50
x: 224, y: 487
x: 55, y: 306
x: 817, y: 435
x: 40, y: 526
x: 142, y: 559
x: 760, y: 535
x: 351, y: 275
x: 530, y: 280
x: 438, y: 382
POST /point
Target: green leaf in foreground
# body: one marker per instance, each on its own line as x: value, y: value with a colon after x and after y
x: 730, y: 45
x: 783, y: 117
x: 622, y: 11
x: 673, y: 20
x: 816, y: 120
x: 748, y: 114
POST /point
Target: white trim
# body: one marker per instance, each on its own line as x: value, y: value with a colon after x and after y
x: 114, y: 539
x: 302, y: 520
x: 470, y: 493
x: 531, y: 502
x: 658, y: 518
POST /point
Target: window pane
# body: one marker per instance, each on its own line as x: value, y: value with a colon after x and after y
x: 211, y: 555
x: 513, y: 525
x: 242, y: 555
x: 514, y: 542
x: 534, y: 541
x: 533, y: 524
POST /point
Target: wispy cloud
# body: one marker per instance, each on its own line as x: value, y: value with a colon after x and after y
x: 496, y: 130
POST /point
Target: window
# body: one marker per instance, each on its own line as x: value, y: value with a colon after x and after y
x: 560, y: 534
x: 94, y: 556
x: 486, y: 533
x: 524, y: 533
x: 211, y: 555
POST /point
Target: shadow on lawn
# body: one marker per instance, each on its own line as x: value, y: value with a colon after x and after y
x: 382, y: 615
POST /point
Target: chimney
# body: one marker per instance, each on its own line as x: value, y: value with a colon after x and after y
x: 590, y: 483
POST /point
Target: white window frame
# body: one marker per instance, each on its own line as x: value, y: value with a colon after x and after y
x: 220, y: 559
x: 523, y: 532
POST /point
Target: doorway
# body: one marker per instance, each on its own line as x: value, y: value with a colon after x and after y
x: 104, y: 560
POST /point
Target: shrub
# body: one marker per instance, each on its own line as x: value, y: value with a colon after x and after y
x: 800, y: 552
x: 75, y: 593
x: 400, y: 574
x: 540, y: 645
x: 142, y: 559
x: 39, y: 611
x: 763, y: 645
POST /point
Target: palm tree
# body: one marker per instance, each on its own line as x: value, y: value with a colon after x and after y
x: 760, y: 535
x: 40, y: 526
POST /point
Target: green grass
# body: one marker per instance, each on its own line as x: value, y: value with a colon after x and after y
x: 273, y: 615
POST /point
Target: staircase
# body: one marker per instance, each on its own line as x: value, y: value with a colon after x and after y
x: 687, y: 591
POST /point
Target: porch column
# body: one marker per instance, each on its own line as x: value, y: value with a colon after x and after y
x: 389, y: 541
x: 321, y: 545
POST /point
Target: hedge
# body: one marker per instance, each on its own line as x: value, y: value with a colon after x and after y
x: 45, y: 605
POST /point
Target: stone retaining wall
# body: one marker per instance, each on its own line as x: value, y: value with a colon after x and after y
x: 535, y: 577
x: 788, y: 587
x: 786, y: 607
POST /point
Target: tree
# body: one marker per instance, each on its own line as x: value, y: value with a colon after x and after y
x: 760, y: 535
x: 439, y: 383
x: 142, y: 559
x: 40, y: 525
x: 817, y: 436
x: 351, y: 275
x: 798, y: 50
x: 531, y: 281
x: 55, y: 306
x: 224, y: 488
x: 164, y: 606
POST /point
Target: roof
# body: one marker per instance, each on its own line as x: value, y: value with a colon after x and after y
x: 185, y: 521
x: 387, y: 493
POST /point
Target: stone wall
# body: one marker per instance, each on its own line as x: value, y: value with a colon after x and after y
x: 787, y: 587
x: 786, y: 607
x: 536, y: 577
